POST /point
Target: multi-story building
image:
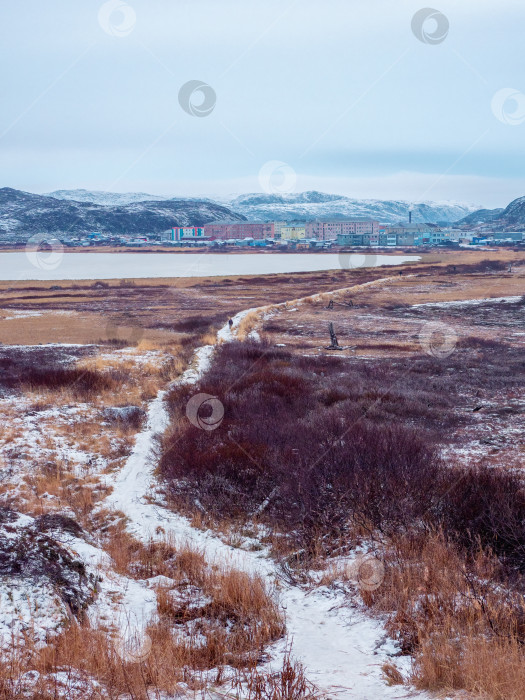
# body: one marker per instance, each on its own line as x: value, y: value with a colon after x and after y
x: 277, y: 226
x: 330, y: 230
x: 349, y: 239
x: 387, y: 239
x: 243, y: 230
x: 291, y: 233
x: 406, y: 238
x: 187, y: 232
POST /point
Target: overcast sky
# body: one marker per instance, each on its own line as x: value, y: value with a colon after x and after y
x: 342, y: 91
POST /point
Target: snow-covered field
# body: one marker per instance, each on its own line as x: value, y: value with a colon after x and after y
x: 342, y: 646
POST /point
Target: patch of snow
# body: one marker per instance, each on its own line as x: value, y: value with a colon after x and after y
x: 226, y: 333
x: 469, y: 302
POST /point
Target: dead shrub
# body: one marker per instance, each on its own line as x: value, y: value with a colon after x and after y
x: 289, y: 683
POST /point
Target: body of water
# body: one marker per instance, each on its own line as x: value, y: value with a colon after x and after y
x: 89, y: 266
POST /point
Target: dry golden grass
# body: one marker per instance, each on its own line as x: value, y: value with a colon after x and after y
x: 66, y: 490
x: 465, y: 630
x: 239, y: 615
x: 487, y: 668
x: 392, y: 674
x: 248, y: 324
x: 208, y: 339
x: 288, y: 683
x: 236, y: 619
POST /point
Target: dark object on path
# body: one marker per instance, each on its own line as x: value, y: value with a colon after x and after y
x: 230, y: 322
x: 330, y: 304
x: 333, y: 338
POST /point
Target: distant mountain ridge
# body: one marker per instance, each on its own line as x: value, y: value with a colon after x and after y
x: 105, y: 198
x: 482, y: 216
x: 511, y: 217
x: 514, y: 214
x: 306, y: 206
x: 25, y: 213
x: 79, y: 212
x: 301, y: 206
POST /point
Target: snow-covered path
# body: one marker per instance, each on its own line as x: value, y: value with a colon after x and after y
x: 341, y: 648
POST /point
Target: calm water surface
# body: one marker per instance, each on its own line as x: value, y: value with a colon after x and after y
x: 81, y: 266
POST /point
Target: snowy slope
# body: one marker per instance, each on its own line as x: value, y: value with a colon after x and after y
x: 317, y: 205
x: 298, y: 206
x: 103, y: 198
x: 27, y: 214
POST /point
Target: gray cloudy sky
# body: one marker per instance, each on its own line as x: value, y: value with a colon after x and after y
x: 343, y: 91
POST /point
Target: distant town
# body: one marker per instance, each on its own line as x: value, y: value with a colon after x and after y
x: 303, y: 235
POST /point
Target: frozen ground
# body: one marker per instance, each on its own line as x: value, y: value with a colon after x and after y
x: 342, y: 648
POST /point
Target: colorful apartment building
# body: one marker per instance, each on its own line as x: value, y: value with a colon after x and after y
x: 187, y: 232
x: 244, y: 230
x: 277, y: 226
x: 293, y: 233
x: 330, y: 230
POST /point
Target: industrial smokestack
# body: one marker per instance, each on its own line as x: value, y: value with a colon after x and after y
x: 410, y: 216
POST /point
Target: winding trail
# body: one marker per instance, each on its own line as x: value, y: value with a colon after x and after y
x: 341, y: 648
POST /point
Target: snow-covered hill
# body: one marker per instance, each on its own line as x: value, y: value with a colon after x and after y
x: 514, y: 214
x: 317, y: 205
x: 302, y: 206
x: 482, y: 216
x: 512, y: 217
x: 25, y: 214
x: 82, y: 211
x: 111, y: 199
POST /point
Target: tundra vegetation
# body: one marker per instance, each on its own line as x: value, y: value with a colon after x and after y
x: 387, y: 446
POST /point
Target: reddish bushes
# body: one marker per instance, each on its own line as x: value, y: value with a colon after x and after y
x: 296, y: 444
x: 50, y: 368
x: 315, y: 446
x: 488, y: 506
